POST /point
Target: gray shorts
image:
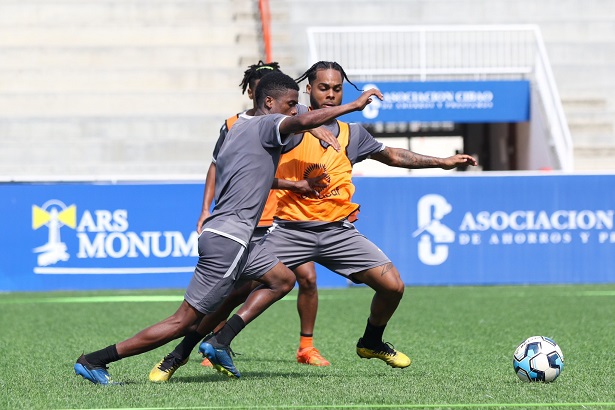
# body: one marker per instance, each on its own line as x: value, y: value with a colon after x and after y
x: 221, y: 267
x: 337, y: 246
x: 259, y: 233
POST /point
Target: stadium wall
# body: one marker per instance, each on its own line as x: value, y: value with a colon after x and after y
x: 451, y: 230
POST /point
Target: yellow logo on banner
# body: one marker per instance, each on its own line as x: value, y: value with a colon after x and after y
x: 54, y: 214
x: 41, y: 217
x: 103, y: 235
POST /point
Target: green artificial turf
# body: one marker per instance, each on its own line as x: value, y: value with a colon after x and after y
x: 461, y: 341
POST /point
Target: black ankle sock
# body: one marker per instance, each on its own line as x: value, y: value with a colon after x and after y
x: 232, y: 327
x: 183, y: 349
x: 373, y: 335
x: 101, y: 358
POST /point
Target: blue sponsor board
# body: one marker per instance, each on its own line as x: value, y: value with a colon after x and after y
x: 453, y: 230
x: 438, y: 101
x: 97, y: 236
x: 493, y: 229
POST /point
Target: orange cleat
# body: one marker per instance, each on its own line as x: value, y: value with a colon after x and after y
x: 311, y: 356
x: 206, y: 363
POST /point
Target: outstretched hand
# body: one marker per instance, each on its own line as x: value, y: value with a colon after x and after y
x: 459, y: 160
x: 327, y: 137
x: 366, y: 98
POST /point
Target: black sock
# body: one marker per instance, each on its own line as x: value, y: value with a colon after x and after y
x: 101, y: 358
x: 232, y: 327
x: 373, y: 335
x: 183, y: 349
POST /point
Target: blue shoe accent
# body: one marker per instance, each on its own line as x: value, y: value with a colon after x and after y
x: 220, y: 358
x: 97, y: 375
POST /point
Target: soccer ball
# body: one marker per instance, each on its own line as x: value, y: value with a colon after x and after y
x: 538, y: 359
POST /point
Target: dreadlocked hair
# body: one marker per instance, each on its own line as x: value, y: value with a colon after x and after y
x: 310, y: 74
x: 274, y: 85
x: 256, y: 72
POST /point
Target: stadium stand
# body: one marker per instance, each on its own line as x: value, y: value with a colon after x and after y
x: 578, y: 36
x: 133, y: 88
x: 119, y: 87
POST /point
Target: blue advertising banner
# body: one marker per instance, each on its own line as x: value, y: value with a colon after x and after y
x: 493, y: 229
x: 436, y: 101
x: 97, y: 236
x: 453, y: 230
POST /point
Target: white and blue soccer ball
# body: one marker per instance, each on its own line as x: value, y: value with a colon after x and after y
x: 538, y: 359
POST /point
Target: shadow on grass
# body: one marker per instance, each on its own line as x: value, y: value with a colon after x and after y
x: 244, y: 375
x: 296, y: 373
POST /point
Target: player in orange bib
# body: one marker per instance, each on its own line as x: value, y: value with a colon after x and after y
x: 320, y: 227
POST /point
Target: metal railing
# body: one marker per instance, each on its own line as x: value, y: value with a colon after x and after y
x: 431, y: 53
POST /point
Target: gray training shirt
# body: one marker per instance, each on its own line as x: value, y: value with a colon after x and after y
x: 245, y: 168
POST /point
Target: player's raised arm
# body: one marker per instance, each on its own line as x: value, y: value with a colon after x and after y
x: 316, y: 118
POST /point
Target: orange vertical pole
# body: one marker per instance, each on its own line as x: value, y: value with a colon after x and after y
x: 263, y: 6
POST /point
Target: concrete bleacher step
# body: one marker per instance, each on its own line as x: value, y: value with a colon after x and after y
x: 73, y: 167
x: 32, y: 131
x: 152, y: 80
x: 600, y: 54
x: 112, y: 12
x: 138, y: 57
x: 592, y: 133
x: 576, y: 31
x: 594, y: 158
x: 590, y: 120
x: 102, y: 36
x: 580, y: 104
x: 118, y: 104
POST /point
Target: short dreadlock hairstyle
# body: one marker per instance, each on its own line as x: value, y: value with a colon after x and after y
x: 310, y: 74
x: 274, y: 85
x: 256, y: 72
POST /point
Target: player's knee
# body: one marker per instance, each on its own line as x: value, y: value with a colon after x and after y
x: 288, y: 284
x: 307, y: 283
x: 284, y: 279
x: 394, y: 289
x: 395, y: 283
x: 192, y: 328
x: 306, y: 277
x: 399, y: 289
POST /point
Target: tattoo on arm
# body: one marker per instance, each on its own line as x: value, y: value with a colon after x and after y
x: 404, y: 158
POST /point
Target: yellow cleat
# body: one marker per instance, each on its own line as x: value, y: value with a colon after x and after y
x: 384, y: 352
x: 163, y: 371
